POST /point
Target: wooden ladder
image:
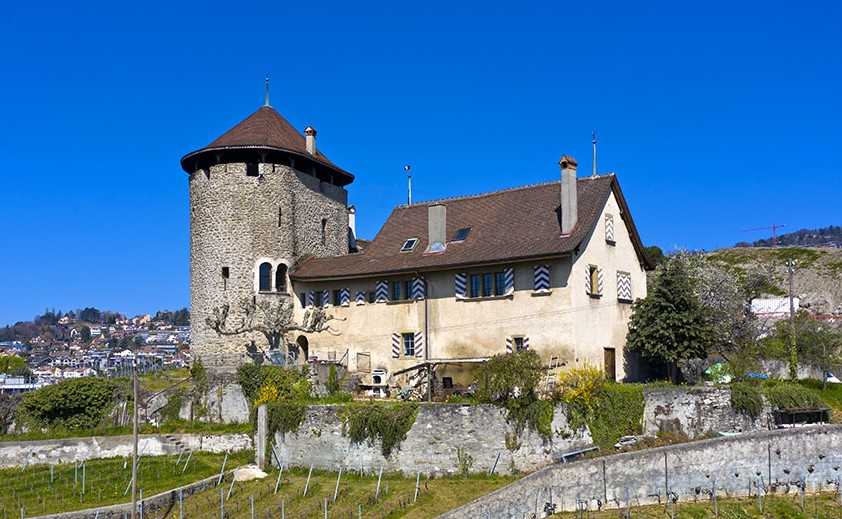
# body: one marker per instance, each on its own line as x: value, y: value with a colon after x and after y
x: 551, y: 371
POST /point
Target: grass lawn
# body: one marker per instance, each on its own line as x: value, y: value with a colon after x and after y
x: 42, y: 489
x: 396, y: 499
x: 832, y: 396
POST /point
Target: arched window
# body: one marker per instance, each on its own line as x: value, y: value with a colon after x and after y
x: 281, y: 278
x: 265, y: 280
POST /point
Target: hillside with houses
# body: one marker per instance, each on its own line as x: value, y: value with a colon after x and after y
x: 56, y: 346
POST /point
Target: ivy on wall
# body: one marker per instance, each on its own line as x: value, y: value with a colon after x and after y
x: 387, y: 424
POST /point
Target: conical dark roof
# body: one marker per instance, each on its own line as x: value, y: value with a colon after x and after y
x: 267, y: 132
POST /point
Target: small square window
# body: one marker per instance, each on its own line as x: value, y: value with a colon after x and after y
x: 409, y: 245
x: 226, y: 272
x: 461, y: 234
x: 252, y: 170
x: 408, y: 344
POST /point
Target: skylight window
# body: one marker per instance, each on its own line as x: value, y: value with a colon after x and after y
x: 461, y: 234
x: 409, y: 245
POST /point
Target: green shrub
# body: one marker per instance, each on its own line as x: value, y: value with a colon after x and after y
x: 386, y: 423
x: 332, y: 381
x: 169, y: 412
x: 506, y: 375
x: 788, y: 395
x: 530, y: 411
x: 284, y: 417
x: 80, y: 403
x: 290, y: 383
x: 619, y: 413
x: 746, y: 399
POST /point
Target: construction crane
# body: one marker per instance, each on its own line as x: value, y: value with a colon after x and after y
x: 774, y: 228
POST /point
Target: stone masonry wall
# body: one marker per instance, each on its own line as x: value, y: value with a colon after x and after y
x: 778, y: 460
x: 697, y: 411
x: 68, y: 450
x: 432, y: 444
x: 238, y: 222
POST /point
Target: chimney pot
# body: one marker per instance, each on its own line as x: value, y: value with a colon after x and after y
x: 568, y: 162
x: 310, y: 139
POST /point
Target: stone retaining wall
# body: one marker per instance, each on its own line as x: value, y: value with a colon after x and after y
x: 697, y: 411
x: 778, y: 460
x: 434, y: 444
x: 68, y: 450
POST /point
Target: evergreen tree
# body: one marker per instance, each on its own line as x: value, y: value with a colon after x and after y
x: 670, y: 323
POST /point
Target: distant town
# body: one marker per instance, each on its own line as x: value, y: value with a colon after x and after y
x: 56, y: 346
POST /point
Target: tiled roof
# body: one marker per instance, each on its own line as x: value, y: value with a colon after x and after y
x: 510, y: 225
x: 264, y: 129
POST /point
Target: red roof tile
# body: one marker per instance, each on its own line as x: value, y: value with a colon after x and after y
x: 510, y: 225
x: 264, y: 129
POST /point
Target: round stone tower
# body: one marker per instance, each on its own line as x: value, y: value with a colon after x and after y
x: 262, y: 197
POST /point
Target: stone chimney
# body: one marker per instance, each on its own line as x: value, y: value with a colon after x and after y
x: 569, y: 204
x: 310, y: 136
x: 436, y: 227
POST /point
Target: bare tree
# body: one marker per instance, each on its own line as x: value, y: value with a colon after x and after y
x: 274, y: 319
x: 726, y: 296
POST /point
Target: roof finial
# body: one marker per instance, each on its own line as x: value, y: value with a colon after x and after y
x: 267, y: 90
x: 409, y: 184
x: 593, y: 141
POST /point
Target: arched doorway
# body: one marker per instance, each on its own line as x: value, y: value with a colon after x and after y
x: 303, y: 347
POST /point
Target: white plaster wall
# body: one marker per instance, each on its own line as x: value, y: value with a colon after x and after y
x: 602, y: 322
x: 566, y: 323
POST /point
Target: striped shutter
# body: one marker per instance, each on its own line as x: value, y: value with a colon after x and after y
x: 396, y: 345
x: 311, y: 298
x: 345, y: 297
x: 599, y: 281
x: 624, y: 286
x: 381, y: 294
x: 509, y: 347
x: 418, y: 288
x: 588, y: 280
x: 360, y: 298
x: 542, y: 278
x: 325, y: 298
x: 609, y: 228
x: 525, y: 342
x: 419, y: 344
x: 509, y: 275
x: 461, y: 285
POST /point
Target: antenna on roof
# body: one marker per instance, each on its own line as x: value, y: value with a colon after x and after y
x: 267, y: 90
x: 408, y: 185
x: 593, y: 141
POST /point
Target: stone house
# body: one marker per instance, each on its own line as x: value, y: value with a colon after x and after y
x: 444, y: 285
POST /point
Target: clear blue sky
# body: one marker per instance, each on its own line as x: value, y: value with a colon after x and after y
x: 716, y: 116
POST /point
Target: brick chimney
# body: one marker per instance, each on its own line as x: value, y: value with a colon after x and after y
x: 436, y: 227
x: 569, y: 204
x: 310, y: 136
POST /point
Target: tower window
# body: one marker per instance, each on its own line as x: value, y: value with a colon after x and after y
x: 324, y: 231
x: 226, y: 274
x: 265, y: 277
x: 281, y: 278
x: 280, y: 214
x: 252, y: 170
